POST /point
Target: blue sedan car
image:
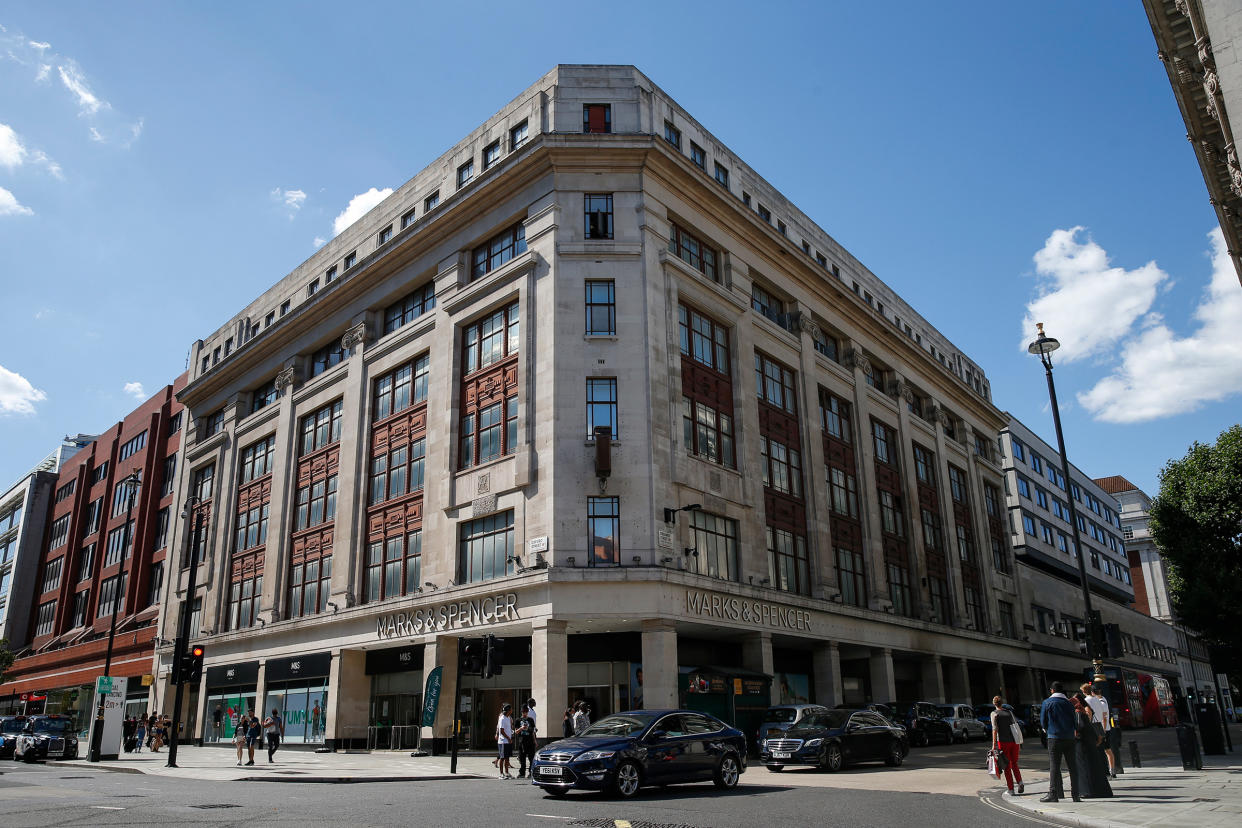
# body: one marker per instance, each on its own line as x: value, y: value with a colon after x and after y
x: 622, y: 753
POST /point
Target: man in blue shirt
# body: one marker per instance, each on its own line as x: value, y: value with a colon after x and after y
x: 1057, y: 717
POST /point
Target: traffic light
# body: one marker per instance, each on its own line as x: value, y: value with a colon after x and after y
x: 191, y: 668
x: 1081, y: 632
x: 471, y: 655
x: 494, y: 662
x: 1112, y: 638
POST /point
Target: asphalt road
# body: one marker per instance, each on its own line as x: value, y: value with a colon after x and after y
x: 49, y: 795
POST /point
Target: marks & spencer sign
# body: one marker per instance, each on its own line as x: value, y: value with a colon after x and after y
x: 762, y: 613
x: 477, y: 612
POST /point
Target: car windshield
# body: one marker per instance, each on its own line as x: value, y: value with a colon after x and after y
x: 51, y: 726
x: 780, y: 714
x: 947, y: 710
x: 12, y: 726
x: 628, y: 725
x: 832, y: 719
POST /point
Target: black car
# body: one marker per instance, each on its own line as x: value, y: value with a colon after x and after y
x: 625, y: 751
x: 46, y: 737
x: 832, y: 740
x: 10, y: 726
x: 924, y: 723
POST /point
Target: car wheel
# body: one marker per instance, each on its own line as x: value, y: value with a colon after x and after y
x: 727, y: 772
x: 628, y: 779
x: 775, y: 768
x: 834, y: 759
x: 895, y: 754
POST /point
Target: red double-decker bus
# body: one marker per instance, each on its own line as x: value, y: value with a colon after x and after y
x: 1138, y: 699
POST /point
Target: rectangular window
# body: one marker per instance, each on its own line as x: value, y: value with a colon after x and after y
x: 59, y: 534
x: 1037, y: 463
x: 843, y: 491
x: 780, y: 228
x: 1000, y: 558
x: 991, y: 500
x: 213, y: 423
x: 787, y: 556
x: 601, y: 307
x: 1024, y: 487
x: 958, y: 488
x: 597, y: 118
x: 774, y: 383
x: 394, y: 567
x: 252, y: 527
x: 120, y: 496
x: 81, y: 608
x: 722, y: 174
x: 322, y: 428
x: 244, y: 598
x: 133, y: 446
x: 464, y: 173
x: 45, y: 619
x: 764, y: 213
x: 384, y: 237
x: 490, y: 340
x: 693, y: 252
x: 310, y: 584
x: 100, y: 473
x: 497, y: 250
x: 1009, y: 627
x: 312, y: 288
x: 851, y: 577
x: 899, y: 590
x: 703, y: 339
x: 707, y: 432
x: 715, y: 545
x: 407, y: 219
x: 892, y: 519
x: 746, y: 198
x: 826, y: 344
x: 601, y: 405
x: 410, y: 307
x: 1045, y: 619
x: 328, y: 356
x: 1041, y: 497
x: 597, y: 218
x: 925, y: 466
x: 518, y: 135
x: 1028, y: 524
x: 698, y: 155
x: 931, y: 530
x: 974, y: 609
x: 603, y: 531
x: 284, y: 307
x: 51, y: 574
x: 111, y: 595
x: 1045, y: 532
x: 1018, y: 452
x: 766, y: 304
x: 399, y: 389
x: 965, y: 544
x: 263, y: 396
x: 431, y: 202
x: 330, y: 273
x: 782, y: 467
x: 672, y: 134
x: 486, y: 548
x: 884, y: 439
x: 351, y: 259
x: 315, y: 504
x: 491, y: 154
x: 938, y: 598
x: 835, y: 415
x: 174, y: 423
x: 86, y: 563
x: 117, y: 544
x: 256, y: 459
x: 201, y: 482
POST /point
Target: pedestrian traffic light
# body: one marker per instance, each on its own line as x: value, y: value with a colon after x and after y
x: 191, y: 665
x: 494, y: 662
x: 471, y: 656
x: 1112, y: 638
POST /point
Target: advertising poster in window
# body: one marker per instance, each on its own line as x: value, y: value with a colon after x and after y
x: 794, y: 688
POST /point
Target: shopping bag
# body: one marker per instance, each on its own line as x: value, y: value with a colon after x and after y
x: 1017, y: 733
x: 996, y: 763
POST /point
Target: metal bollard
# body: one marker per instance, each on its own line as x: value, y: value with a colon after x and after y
x: 1135, y: 762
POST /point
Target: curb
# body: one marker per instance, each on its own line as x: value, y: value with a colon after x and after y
x: 1018, y: 808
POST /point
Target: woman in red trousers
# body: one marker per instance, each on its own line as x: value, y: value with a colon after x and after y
x: 1003, y: 727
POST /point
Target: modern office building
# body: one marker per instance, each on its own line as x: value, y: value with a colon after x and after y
x: 1038, y: 497
x: 23, y: 509
x: 1198, y: 42
x: 398, y: 445
x: 85, y: 568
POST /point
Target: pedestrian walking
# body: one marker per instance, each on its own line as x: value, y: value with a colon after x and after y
x: 582, y: 717
x: 504, y: 741
x: 152, y: 725
x: 1102, y: 715
x: 1056, y: 715
x: 1092, y: 767
x: 239, y: 737
x: 525, y: 735
x: 1005, y: 736
x: 217, y: 721
x: 316, y: 715
x: 567, y: 724
x: 140, y: 734
x: 254, y: 735
x: 275, y: 727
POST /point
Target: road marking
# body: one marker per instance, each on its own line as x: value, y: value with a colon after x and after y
x: 108, y: 807
x: 1016, y: 813
x: 549, y: 816
x: 621, y: 823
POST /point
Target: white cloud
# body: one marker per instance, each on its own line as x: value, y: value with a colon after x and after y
x: 73, y: 79
x: 135, y: 389
x: 14, y: 154
x: 292, y: 199
x: 319, y: 242
x: 34, y: 44
x: 1082, y: 301
x: 45, y: 70
x: 9, y: 206
x: 17, y: 395
x: 1161, y: 374
x: 95, y: 136
x: 358, y: 207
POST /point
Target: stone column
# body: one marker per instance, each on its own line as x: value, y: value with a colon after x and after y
x: 1029, y: 690
x: 957, y: 673
x: 996, y: 683
x: 349, y: 536
x: 868, y: 497
x: 284, y: 484
x: 659, y: 664
x: 549, y: 675
x: 883, y: 681
x: 933, y: 679
x: 826, y: 663
x: 349, y: 697
x: 441, y: 651
x: 757, y: 656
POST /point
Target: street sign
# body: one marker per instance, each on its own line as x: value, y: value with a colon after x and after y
x: 103, y: 684
x: 147, y: 679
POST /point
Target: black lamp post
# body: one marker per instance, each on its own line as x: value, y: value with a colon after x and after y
x: 1043, y: 346
x: 192, y: 509
x: 118, y: 596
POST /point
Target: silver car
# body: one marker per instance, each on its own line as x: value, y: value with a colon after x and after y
x: 781, y: 717
x: 961, y: 717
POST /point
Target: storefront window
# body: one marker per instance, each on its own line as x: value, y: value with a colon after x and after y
x: 297, y: 689
x: 230, y: 695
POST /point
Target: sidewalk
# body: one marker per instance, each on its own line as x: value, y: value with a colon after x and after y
x: 1163, y: 795
x: 219, y: 764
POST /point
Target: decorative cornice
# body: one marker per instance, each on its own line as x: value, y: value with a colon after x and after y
x: 354, y: 337
x: 286, y: 379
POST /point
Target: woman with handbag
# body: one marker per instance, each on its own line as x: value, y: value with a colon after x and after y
x: 1092, y: 766
x: 1007, y: 738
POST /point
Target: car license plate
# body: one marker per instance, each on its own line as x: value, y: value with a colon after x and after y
x: 550, y: 771
x: 780, y: 755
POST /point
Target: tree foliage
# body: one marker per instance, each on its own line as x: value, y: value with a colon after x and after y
x: 1196, y: 521
x: 6, y: 659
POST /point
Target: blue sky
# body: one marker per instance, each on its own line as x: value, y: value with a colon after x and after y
x: 994, y: 163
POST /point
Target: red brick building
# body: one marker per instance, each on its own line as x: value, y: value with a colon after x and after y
x: 85, y: 566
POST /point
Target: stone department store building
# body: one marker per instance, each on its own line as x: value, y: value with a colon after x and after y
x: 395, y: 447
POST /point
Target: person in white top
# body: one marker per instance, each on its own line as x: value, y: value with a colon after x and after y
x: 504, y: 741
x: 1100, y: 715
x: 582, y: 719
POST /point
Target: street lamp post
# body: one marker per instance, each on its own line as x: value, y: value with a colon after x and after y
x: 1043, y: 346
x: 192, y: 508
x: 118, y: 596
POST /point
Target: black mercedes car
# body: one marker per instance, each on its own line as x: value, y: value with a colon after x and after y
x: 46, y: 737
x: 626, y: 751
x: 10, y: 726
x: 835, y: 738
